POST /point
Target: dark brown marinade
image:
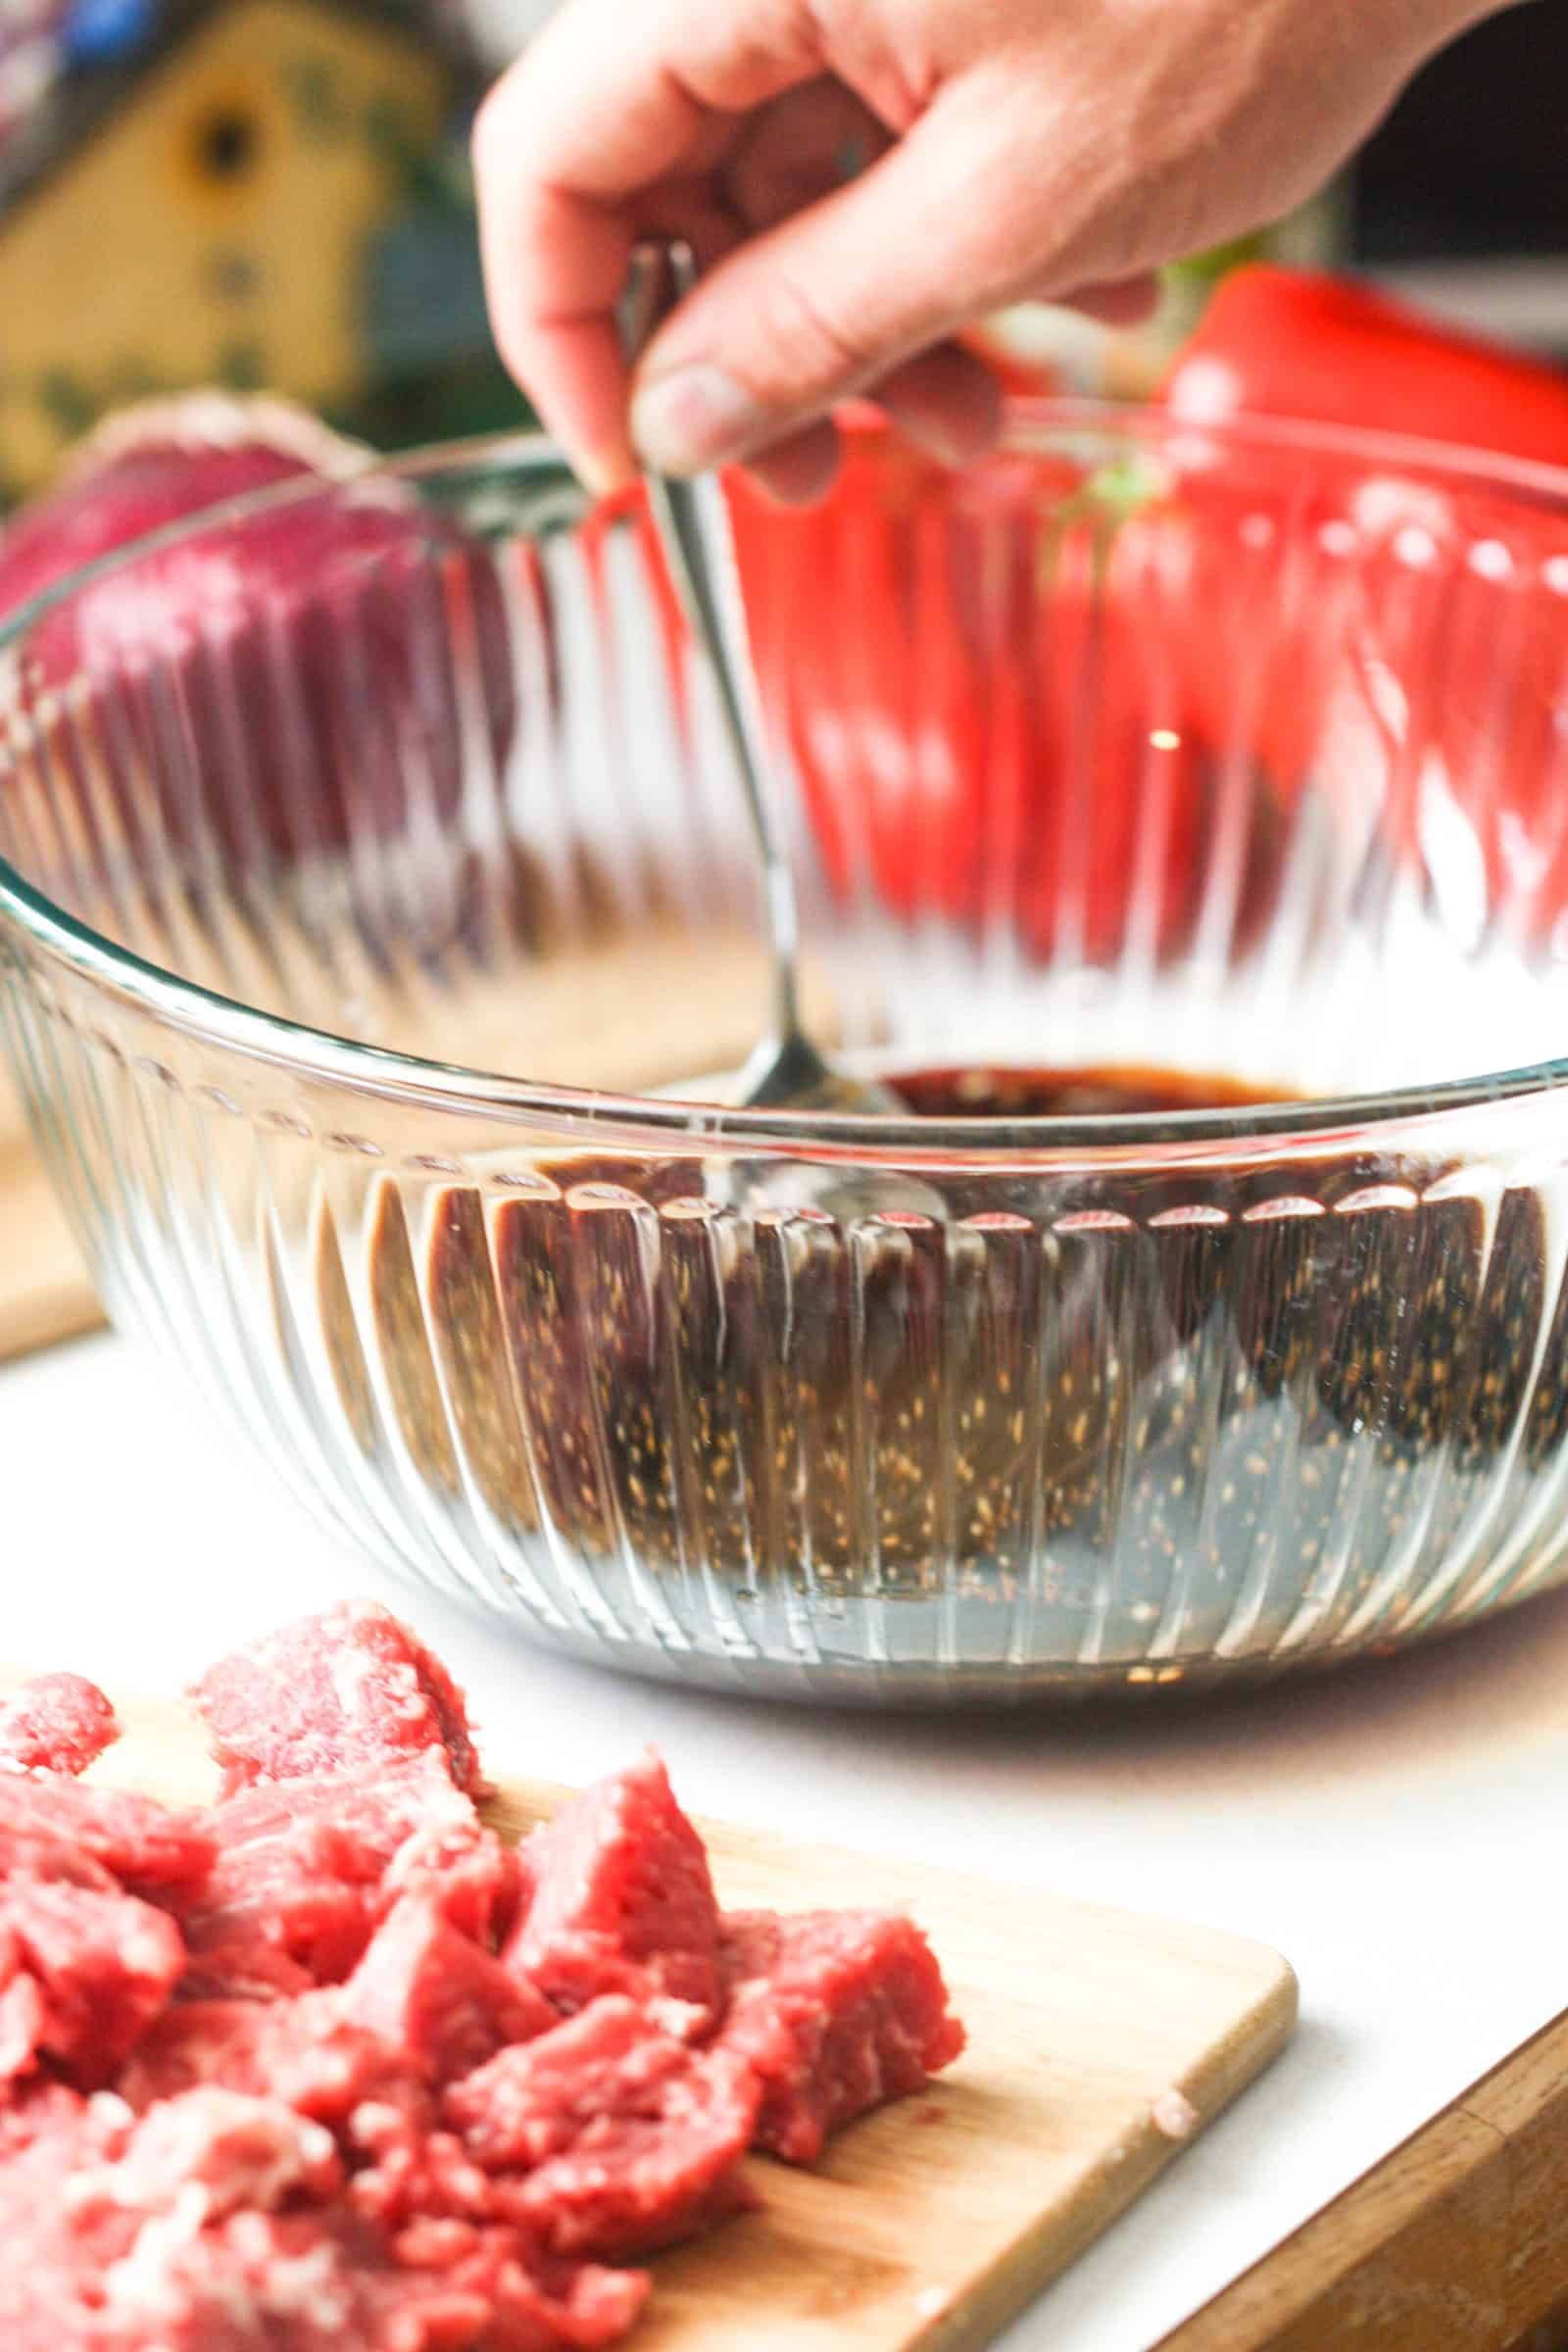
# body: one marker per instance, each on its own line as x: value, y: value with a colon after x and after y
x: 1229, y: 1403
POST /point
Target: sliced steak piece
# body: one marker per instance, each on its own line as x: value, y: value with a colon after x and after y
x: 620, y: 2137
x: 57, y: 1722
x: 836, y: 2011
x: 84, y: 1972
x: 350, y: 1690
x: 50, y: 1827
x: 310, y: 1866
x: 437, y: 2002
x: 617, y: 1898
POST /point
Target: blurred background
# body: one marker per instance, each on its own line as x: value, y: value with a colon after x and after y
x: 275, y: 194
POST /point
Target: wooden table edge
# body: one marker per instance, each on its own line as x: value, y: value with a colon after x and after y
x: 1459, y: 2236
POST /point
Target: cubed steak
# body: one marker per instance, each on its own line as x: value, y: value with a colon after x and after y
x: 99, y: 2209
x: 57, y: 1722
x: 323, y: 2281
x: 51, y: 1828
x: 435, y: 1999
x: 304, y: 2053
x: 617, y: 1898
x: 329, y: 2065
x: 84, y: 1972
x: 237, y: 2149
x: 350, y: 1690
x: 423, y: 2006
x: 218, y: 2224
x: 308, y: 1869
x: 836, y: 2011
x: 613, y: 2138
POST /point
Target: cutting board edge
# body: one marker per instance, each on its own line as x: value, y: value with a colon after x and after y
x: 1030, y: 2264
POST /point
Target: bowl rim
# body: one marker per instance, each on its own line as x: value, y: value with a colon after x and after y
x: 409, y: 1080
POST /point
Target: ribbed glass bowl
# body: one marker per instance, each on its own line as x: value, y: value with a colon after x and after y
x: 1242, y: 753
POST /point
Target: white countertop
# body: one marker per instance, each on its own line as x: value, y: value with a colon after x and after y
x: 1396, y: 1831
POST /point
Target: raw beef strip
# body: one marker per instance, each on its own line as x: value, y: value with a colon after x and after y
x: 437, y: 2001
x: 310, y: 1866
x: 623, y: 2138
x: 347, y: 1691
x: 304, y: 2053
x: 144, y: 1844
x: 58, y: 1723
x: 617, y: 1898
x: 836, y: 2011
x: 83, y: 1972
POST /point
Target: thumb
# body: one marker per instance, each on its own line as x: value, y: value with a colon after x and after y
x: 830, y: 301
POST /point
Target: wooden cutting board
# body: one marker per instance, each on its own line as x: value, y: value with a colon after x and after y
x: 1099, y: 2040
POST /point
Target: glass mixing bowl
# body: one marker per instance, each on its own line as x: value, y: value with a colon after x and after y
x: 1241, y: 752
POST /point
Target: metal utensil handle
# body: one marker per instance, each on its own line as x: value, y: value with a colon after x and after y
x: 698, y: 551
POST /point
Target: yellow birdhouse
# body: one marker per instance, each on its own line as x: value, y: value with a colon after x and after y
x: 208, y: 212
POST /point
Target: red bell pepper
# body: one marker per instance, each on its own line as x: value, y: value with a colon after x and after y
x: 1446, y: 683
x: 983, y: 729
x: 1293, y: 343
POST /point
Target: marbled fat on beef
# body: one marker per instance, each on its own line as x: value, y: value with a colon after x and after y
x: 306, y: 2053
x: 218, y: 2224
x: 621, y: 2138
x: 56, y: 1723
x: 347, y: 1691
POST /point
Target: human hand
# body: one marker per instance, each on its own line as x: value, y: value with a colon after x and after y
x: 859, y: 178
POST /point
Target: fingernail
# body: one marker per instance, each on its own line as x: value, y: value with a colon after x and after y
x: 693, y: 417
x: 603, y: 472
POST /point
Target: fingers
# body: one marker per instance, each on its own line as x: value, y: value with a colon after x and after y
x: 833, y: 299
x: 1128, y: 302
x: 799, y: 471
x: 946, y: 400
x: 606, y: 102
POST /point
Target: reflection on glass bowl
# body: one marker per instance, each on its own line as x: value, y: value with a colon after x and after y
x: 364, y: 952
